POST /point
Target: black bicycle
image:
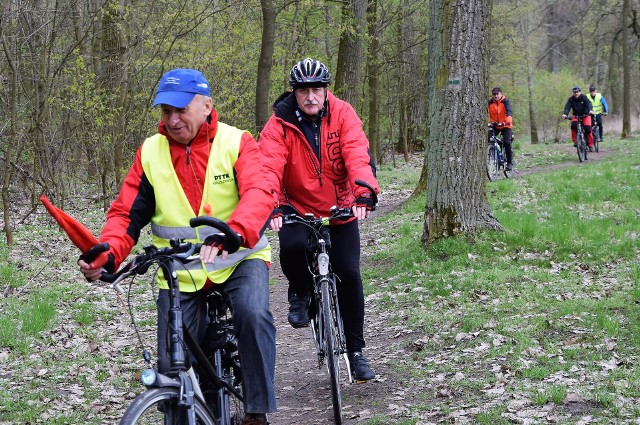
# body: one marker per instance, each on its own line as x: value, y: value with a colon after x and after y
x: 595, y: 130
x: 178, y: 397
x: 324, y: 310
x: 495, y: 156
x: 581, y: 138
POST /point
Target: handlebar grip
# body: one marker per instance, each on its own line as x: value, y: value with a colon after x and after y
x: 374, y: 196
x: 94, y: 252
x: 232, y: 237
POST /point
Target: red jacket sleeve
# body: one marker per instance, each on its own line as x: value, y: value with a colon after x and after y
x: 275, y: 154
x: 355, y: 150
x: 254, y: 209
x: 129, y: 213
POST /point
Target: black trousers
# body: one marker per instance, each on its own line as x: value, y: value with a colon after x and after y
x: 345, y: 262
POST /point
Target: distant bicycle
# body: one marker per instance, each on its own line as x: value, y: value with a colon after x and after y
x: 581, y: 138
x: 495, y: 156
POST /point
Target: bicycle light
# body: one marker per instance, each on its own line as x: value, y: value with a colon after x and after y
x: 148, y: 376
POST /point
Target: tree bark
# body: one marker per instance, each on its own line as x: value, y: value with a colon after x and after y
x: 455, y: 156
x: 626, y: 71
x: 265, y: 63
x: 374, y: 80
x: 351, y: 51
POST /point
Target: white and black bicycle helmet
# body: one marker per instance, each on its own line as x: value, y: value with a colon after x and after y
x: 309, y: 72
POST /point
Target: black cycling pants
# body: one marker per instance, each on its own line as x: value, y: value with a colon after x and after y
x: 345, y: 262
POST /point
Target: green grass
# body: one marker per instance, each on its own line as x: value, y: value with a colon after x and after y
x: 553, y: 297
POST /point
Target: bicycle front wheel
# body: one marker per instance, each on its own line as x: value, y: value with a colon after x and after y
x: 581, y: 146
x: 493, y: 164
x: 331, y: 338
x: 160, y: 406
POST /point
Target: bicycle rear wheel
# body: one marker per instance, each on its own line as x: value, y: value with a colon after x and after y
x: 332, y: 348
x: 160, y: 406
x: 596, y: 138
x: 493, y: 164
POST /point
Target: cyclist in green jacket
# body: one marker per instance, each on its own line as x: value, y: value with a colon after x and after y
x: 599, y: 108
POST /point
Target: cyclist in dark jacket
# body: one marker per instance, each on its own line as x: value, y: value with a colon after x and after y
x: 581, y: 106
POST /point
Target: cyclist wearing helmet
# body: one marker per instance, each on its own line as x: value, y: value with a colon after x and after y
x: 581, y: 105
x: 500, y: 112
x: 600, y: 108
x: 314, y: 148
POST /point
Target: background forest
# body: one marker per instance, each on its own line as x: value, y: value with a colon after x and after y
x: 77, y: 77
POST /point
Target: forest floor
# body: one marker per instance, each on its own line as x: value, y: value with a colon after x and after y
x: 302, y: 389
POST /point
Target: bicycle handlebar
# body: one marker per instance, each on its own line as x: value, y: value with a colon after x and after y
x: 335, y: 212
x: 179, y: 250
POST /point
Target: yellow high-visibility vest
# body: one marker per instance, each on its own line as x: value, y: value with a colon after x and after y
x: 173, y: 211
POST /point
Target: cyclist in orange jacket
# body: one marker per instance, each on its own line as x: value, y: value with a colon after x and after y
x: 500, y: 112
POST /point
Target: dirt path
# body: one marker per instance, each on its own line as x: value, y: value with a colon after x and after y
x: 303, y: 389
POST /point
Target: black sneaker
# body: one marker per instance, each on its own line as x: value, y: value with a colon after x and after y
x: 509, y: 167
x: 590, y: 148
x: 298, y: 311
x: 360, y: 368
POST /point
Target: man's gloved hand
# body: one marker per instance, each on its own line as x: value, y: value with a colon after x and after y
x: 366, y: 202
x: 275, y: 223
x: 362, y: 206
x: 95, y: 260
x: 218, y: 240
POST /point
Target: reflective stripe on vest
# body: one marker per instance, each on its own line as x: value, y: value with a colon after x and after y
x: 173, y: 209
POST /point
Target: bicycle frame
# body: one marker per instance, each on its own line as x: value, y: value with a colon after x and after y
x: 324, y: 276
x: 186, y: 392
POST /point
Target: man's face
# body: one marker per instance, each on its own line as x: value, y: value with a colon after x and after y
x: 576, y: 93
x: 183, y: 124
x: 593, y: 92
x: 310, y: 99
x: 496, y: 95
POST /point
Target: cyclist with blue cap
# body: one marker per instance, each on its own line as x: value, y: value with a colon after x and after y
x: 196, y: 165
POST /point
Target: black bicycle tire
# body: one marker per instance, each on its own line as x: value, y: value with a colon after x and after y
x: 493, y: 166
x: 331, y: 350
x: 580, y: 147
x: 155, y: 397
x: 596, y: 138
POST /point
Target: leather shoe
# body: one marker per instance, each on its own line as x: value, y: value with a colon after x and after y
x: 255, y: 419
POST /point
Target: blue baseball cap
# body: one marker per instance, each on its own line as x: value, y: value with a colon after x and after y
x: 178, y: 87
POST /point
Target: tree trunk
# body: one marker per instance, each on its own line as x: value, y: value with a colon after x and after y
x: 13, y: 142
x: 626, y: 71
x: 263, y: 83
x: 351, y: 51
x: 374, y: 80
x: 456, y: 169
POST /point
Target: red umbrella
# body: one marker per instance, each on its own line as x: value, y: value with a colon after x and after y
x: 78, y: 233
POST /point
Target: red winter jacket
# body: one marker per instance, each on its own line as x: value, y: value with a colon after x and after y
x: 500, y: 111
x: 135, y: 204
x: 297, y: 176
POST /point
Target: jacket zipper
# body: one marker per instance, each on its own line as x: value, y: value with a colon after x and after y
x: 316, y: 131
